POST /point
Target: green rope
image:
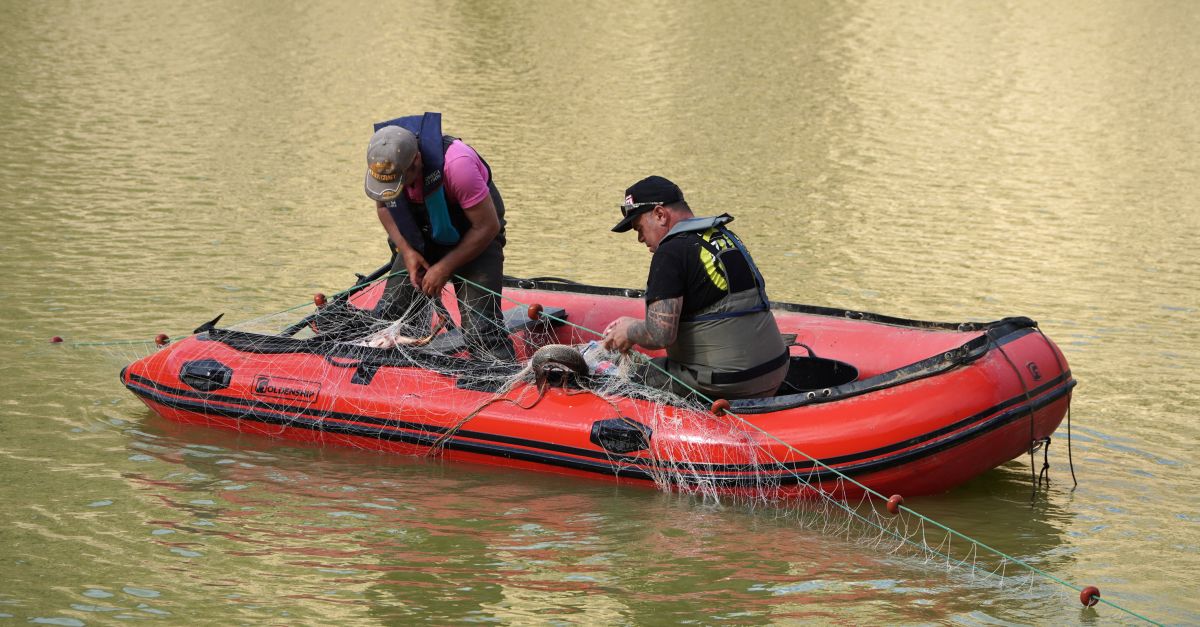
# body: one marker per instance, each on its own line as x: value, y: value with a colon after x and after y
x: 335, y: 295
x: 250, y: 321
x: 851, y: 480
x: 842, y: 476
x: 108, y: 343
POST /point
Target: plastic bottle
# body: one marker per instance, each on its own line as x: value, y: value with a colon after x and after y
x: 595, y: 357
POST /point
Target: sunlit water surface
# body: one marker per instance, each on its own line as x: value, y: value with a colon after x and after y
x: 162, y: 164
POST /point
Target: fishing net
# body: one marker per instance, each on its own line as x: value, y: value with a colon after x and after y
x: 550, y: 356
x: 450, y: 369
x: 424, y: 355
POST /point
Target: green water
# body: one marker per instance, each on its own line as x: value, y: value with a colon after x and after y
x: 163, y: 163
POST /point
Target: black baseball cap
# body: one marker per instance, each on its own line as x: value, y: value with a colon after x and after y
x: 645, y: 195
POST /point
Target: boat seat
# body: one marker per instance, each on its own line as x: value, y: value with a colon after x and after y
x: 515, y: 319
x: 807, y: 373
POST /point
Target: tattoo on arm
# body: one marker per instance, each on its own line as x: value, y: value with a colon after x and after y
x: 661, y: 324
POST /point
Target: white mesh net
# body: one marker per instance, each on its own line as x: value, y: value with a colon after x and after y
x: 451, y: 383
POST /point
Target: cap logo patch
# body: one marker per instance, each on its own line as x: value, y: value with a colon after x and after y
x: 384, y: 171
x: 629, y: 199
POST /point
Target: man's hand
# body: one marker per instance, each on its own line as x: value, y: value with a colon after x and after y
x: 658, y: 330
x: 616, y: 334
x: 435, y: 279
x: 416, y: 265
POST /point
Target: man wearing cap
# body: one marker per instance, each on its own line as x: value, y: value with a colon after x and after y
x: 706, y: 302
x: 444, y: 217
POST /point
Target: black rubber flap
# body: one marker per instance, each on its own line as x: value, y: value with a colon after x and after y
x: 621, y: 435
x: 206, y: 375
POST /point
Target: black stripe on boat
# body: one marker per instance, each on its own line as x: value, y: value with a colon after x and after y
x: 996, y: 334
x: 724, y: 475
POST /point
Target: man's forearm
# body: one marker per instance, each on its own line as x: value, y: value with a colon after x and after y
x: 473, y: 242
x: 661, y: 325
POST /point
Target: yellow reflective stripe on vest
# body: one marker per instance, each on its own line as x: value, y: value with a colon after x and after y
x: 710, y: 262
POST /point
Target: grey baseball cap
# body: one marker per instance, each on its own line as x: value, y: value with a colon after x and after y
x: 391, y: 151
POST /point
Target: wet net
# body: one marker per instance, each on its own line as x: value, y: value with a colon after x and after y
x: 432, y: 364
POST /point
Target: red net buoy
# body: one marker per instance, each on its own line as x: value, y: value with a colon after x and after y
x: 894, y: 503
x: 535, y: 311
x: 720, y: 406
x: 161, y: 339
x: 319, y: 300
x: 1089, y: 596
x: 56, y: 340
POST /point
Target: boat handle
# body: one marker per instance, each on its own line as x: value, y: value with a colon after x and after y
x: 811, y: 354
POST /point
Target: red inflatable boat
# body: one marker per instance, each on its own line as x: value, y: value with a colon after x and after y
x: 901, y: 406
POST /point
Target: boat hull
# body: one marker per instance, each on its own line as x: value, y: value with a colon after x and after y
x: 934, y: 405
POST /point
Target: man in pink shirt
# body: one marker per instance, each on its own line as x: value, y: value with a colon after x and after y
x: 444, y: 217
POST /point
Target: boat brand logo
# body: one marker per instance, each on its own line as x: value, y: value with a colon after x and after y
x: 290, y: 389
x: 1033, y: 370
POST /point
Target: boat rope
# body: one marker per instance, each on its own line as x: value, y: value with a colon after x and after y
x: 1057, y: 360
x: 1045, y: 472
x: 1029, y: 406
x: 1069, y: 459
x: 867, y: 490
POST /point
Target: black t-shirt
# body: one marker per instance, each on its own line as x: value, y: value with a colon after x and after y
x: 683, y: 267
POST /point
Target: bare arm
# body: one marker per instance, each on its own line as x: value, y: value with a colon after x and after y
x: 658, y: 330
x: 389, y: 225
x: 414, y: 262
x: 485, y: 224
x: 661, y: 325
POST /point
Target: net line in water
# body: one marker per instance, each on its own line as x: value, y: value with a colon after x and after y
x: 874, y: 519
x: 896, y: 529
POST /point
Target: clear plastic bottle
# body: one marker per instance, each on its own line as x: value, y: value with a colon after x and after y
x: 597, y: 359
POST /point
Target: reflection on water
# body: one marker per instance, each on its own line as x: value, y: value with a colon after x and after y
x: 422, y: 540
x: 922, y: 160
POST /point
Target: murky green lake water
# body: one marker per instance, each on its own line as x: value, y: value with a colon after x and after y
x: 163, y: 163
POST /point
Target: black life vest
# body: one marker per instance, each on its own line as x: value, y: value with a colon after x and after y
x: 436, y: 224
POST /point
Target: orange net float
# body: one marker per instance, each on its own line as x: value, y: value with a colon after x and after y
x: 56, y: 340
x: 1089, y: 596
x: 535, y: 311
x: 894, y: 503
x: 319, y: 300
x: 161, y: 339
x: 720, y: 407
